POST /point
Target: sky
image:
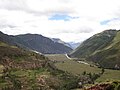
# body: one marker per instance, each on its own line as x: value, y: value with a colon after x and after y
x: 69, y: 20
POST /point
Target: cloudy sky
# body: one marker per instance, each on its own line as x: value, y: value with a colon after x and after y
x: 69, y: 20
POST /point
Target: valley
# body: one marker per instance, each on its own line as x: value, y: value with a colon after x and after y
x: 21, y: 69
x: 59, y: 44
x: 72, y: 66
x: 75, y: 68
x: 95, y: 63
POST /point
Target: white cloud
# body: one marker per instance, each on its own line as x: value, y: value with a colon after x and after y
x: 32, y: 16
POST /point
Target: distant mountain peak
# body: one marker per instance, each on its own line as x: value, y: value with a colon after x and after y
x: 72, y: 45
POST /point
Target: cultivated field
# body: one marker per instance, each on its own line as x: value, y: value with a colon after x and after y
x: 71, y: 66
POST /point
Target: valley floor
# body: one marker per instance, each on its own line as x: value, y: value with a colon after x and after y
x: 70, y: 65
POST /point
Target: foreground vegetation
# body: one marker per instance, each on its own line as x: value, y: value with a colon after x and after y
x: 26, y: 70
x: 82, y: 70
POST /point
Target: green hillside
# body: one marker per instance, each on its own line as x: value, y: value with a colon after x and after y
x: 26, y: 70
x: 102, y: 48
x: 94, y: 43
x: 74, y: 67
x: 109, y: 57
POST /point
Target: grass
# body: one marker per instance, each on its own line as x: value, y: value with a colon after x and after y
x: 57, y: 57
x: 117, y: 38
x: 26, y: 77
x: 1, y: 69
x: 109, y: 75
x: 3, y: 44
x: 28, y: 73
x: 75, y: 68
x: 71, y: 66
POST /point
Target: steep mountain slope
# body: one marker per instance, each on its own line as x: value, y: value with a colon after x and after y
x: 6, y: 38
x: 102, y: 48
x: 35, y: 42
x: 25, y: 70
x: 94, y: 43
x: 43, y: 44
x: 109, y: 57
x: 13, y: 40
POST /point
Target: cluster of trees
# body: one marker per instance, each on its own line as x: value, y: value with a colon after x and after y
x: 89, y: 78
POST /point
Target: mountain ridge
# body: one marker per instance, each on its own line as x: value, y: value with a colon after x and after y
x: 102, y: 48
x: 35, y: 42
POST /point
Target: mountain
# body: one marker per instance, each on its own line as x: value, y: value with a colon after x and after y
x: 72, y: 45
x: 22, y: 69
x: 43, y: 44
x: 94, y: 43
x: 35, y: 42
x: 12, y: 40
x: 102, y: 48
x: 61, y: 42
x: 6, y: 38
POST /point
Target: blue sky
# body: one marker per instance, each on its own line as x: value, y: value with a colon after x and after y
x: 62, y: 17
x: 105, y: 22
x: 69, y: 20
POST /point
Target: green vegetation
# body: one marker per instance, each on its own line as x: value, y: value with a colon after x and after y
x: 21, y: 69
x: 42, y: 78
x: 2, y: 44
x: 102, y: 48
x: 76, y: 68
x: 109, y: 75
x: 56, y: 57
x: 26, y: 70
x: 94, y: 43
x: 109, y: 56
x: 92, y: 72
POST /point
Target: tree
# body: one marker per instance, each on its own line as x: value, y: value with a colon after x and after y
x: 103, y: 70
x: 84, y: 73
